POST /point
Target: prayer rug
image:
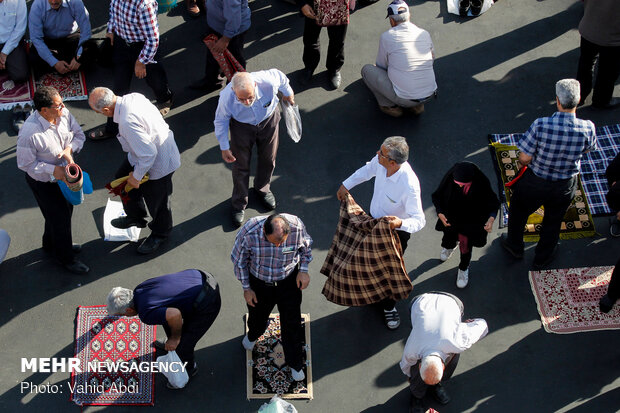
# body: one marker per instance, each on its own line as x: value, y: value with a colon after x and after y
x: 577, y: 222
x: 267, y: 373
x: 567, y: 299
x: 114, y: 340
x: 13, y: 94
x: 71, y: 86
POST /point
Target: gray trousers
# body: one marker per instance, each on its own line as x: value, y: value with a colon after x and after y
x: 380, y: 85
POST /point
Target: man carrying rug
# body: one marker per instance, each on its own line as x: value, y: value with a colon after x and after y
x: 437, y: 338
x: 45, y: 145
x: 403, y: 76
x: 151, y: 149
x: 271, y: 256
x: 551, y: 149
x: 396, y: 196
x: 185, y: 303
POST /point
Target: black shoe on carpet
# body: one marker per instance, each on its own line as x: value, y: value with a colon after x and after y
x: 503, y: 239
x: 150, y: 244
x: 539, y: 264
x: 126, y: 222
x: 440, y: 394
x: 335, y: 79
x: 606, y: 304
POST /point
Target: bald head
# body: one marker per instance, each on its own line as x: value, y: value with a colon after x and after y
x: 102, y: 100
x: 242, y: 81
x: 431, y: 370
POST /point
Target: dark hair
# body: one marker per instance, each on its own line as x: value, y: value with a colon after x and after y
x: 44, y: 97
x: 276, y: 222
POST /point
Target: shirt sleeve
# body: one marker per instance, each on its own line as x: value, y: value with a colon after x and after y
x: 467, y: 334
x: 155, y: 316
x: 592, y: 143
x: 528, y: 143
x: 141, y: 146
x: 382, y: 56
x: 232, y: 15
x: 363, y: 174
x: 20, y: 27
x: 150, y: 29
x: 27, y: 158
x: 82, y: 18
x: 222, y: 119
x: 78, y: 135
x: 413, y: 207
x: 111, y: 21
x: 35, y: 25
x: 305, y: 249
x: 240, y: 257
x: 282, y: 81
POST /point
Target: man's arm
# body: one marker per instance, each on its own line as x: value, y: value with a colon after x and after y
x: 382, y: 56
x: 150, y: 30
x: 19, y: 29
x: 528, y: 144
x: 240, y: 257
x: 77, y: 142
x: 27, y: 160
x: 35, y: 26
x: 174, y: 319
x: 415, y: 219
x: 305, y: 256
x: 221, y: 124
x: 363, y: 174
x: 82, y: 18
x: 141, y: 147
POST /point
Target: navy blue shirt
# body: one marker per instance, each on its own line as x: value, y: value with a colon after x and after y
x: 179, y: 290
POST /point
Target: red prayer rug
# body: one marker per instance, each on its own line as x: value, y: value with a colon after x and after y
x: 567, y: 299
x: 71, y: 86
x: 113, y: 341
x: 13, y: 94
x: 267, y: 373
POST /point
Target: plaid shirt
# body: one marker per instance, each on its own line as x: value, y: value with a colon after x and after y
x: 136, y: 21
x: 556, y: 145
x: 254, y: 254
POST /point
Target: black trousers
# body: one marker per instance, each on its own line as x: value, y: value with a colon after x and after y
x: 613, y: 291
x: 608, y: 71
x: 125, y: 56
x: 57, y: 212
x: 156, y: 195
x: 404, y: 236
x: 65, y: 49
x: 199, y: 321
x: 449, y: 241
x: 287, y: 295
x: 312, y: 45
x: 416, y: 384
x: 529, y: 193
x: 17, y: 63
x: 235, y: 47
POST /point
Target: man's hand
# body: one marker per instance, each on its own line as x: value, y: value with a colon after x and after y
x: 111, y: 37
x: 489, y: 225
x: 3, y: 61
x: 307, y: 11
x: 133, y: 182
x: 59, y: 173
x: 289, y: 99
x: 140, y: 70
x: 62, y: 67
x: 342, y: 193
x: 443, y: 220
x: 67, y: 153
x: 228, y: 156
x: 303, y: 279
x: 172, y: 343
x: 74, y: 65
x: 250, y: 297
x: 221, y: 44
x: 395, y: 222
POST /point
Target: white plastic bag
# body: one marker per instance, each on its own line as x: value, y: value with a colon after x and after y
x: 114, y: 209
x: 292, y: 119
x: 277, y: 405
x: 177, y: 379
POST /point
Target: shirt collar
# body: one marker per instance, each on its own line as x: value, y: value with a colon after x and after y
x: 64, y: 3
x: 45, y: 124
x: 564, y: 115
x: 117, y: 108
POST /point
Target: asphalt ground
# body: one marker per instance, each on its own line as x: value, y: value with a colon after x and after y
x: 496, y: 74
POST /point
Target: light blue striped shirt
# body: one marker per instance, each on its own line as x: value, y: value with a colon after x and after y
x: 13, y: 15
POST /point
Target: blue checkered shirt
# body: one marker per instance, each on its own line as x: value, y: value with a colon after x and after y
x: 254, y: 254
x: 556, y: 145
x: 136, y: 21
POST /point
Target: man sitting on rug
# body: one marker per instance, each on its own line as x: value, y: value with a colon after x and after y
x: 551, y: 149
x: 61, y: 36
x: 185, y: 303
x: 403, y: 77
x: 437, y: 338
x: 396, y: 196
x: 271, y: 257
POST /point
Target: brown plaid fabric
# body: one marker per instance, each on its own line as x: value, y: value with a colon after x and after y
x: 364, y: 264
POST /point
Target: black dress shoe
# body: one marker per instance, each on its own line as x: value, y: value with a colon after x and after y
x: 464, y: 7
x: 440, y: 394
x: 305, y: 77
x: 475, y: 7
x: 504, y: 241
x: 335, y: 79
x: 150, y: 244
x: 77, y: 267
x: 205, y: 85
x: 606, y: 303
x: 237, y: 217
x: 126, y: 222
x: 268, y: 200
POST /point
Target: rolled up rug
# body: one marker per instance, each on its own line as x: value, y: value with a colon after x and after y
x: 120, y: 186
x: 226, y: 60
x: 77, y: 197
x: 74, y: 177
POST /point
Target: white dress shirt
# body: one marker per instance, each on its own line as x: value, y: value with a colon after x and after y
x: 437, y: 330
x: 13, y: 16
x: 146, y: 137
x: 397, y: 195
x: 39, y: 143
x: 406, y: 51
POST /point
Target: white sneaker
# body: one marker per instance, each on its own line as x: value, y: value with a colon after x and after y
x: 247, y: 344
x: 462, y: 278
x: 297, y: 375
x: 446, y: 253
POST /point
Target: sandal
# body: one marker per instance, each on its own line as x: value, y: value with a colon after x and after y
x: 100, y: 133
x: 392, y: 319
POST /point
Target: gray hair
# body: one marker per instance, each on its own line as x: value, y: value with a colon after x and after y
x: 242, y: 81
x: 568, y: 93
x: 431, y: 369
x: 105, y: 98
x: 119, y: 300
x: 397, y: 148
x: 400, y: 18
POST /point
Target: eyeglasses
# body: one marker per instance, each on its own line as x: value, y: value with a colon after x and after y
x: 381, y: 155
x: 58, y: 107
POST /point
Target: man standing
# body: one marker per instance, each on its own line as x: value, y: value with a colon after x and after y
x: 60, y: 33
x: 403, y: 77
x: 229, y: 20
x: 271, y: 257
x: 437, y: 338
x: 249, y: 107
x: 151, y: 148
x: 133, y: 31
x: 185, y: 303
x: 600, y: 36
x: 396, y: 196
x: 46, y: 143
x: 552, y: 149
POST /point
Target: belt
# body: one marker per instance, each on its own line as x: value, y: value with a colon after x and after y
x: 426, y: 98
x: 279, y: 282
